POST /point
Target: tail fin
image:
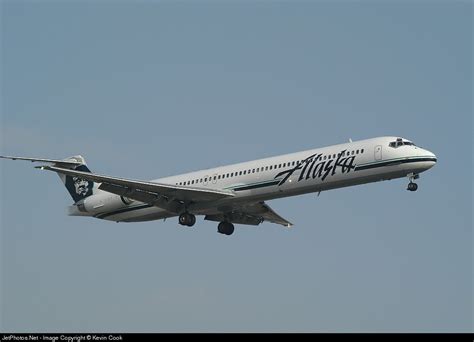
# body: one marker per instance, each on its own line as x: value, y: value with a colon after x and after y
x: 78, y: 188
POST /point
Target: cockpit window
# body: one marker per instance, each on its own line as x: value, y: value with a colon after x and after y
x: 399, y: 142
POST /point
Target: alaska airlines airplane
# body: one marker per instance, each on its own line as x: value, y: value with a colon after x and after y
x: 236, y: 193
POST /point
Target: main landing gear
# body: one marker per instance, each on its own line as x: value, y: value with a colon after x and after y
x: 187, y: 219
x: 225, y: 228
x: 412, y: 186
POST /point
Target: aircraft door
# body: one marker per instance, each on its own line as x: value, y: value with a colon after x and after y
x: 378, y: 152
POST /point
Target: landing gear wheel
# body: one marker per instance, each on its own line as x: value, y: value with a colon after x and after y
x: 192, y: 220
x: 187, y: 219
x: 412, y: 186
x: 225, y: 228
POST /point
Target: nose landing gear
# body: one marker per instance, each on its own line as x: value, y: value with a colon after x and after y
x: 412, y: 186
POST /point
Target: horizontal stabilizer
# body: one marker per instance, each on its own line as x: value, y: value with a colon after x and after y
x: 70, y: 162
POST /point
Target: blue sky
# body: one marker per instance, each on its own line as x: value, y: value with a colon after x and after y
x: 149, y: 89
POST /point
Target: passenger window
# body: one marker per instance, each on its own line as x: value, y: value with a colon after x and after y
x: 362, y: 151
x: 240, y: 173
x: 352, y: 152
x: 271, y: 167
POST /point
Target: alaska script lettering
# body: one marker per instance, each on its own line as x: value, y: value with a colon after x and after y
x: 314, y: 167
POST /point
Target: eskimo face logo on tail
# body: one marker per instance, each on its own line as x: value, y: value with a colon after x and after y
x: 79, y: 188
x: 82, y: 186
x: 324, y: 168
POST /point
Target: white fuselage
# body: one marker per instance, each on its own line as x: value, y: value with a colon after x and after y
x: 293, y: 174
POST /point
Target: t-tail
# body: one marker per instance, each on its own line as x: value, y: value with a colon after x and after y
x: 78, y: 188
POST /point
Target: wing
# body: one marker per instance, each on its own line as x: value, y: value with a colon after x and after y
x: 150, y: 192
x: 252, y: 214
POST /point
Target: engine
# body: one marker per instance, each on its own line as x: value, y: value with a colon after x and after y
x: 99, y: 203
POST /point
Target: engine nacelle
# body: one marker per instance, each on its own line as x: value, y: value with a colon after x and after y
x: 99, y: 203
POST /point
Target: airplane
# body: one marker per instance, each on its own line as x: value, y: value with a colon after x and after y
x: 236, y: 194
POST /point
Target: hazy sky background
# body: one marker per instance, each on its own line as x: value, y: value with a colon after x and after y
x: 149, y: 89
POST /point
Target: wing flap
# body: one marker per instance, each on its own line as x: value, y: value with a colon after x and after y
x: 143, y: 196
x: 251, y: 214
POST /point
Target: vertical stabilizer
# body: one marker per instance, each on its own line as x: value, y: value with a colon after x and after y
x: 78, y: 188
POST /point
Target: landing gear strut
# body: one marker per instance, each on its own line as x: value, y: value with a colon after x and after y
x: 225, y: 228
x: 412, y: 186
x: 187, y: 219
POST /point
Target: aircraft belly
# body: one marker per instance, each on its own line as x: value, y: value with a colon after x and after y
x: 138, y: 214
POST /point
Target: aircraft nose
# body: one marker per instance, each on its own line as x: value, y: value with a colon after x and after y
x: 431, y: 157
